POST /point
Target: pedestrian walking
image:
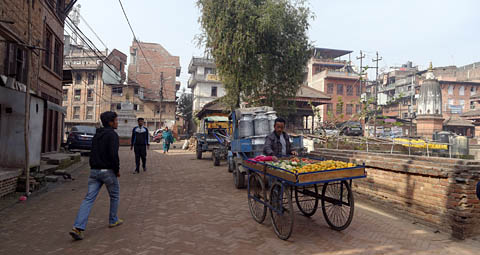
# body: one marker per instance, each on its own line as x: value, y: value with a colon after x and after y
x: 139, y: 144
x: 105, y: 169
x: 167, y: 140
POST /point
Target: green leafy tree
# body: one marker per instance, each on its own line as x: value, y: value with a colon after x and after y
x: 260, y: 47
x: 185, y: 108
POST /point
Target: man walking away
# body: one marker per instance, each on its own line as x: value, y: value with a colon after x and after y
x: 140, y: 143
x: 105, y: 166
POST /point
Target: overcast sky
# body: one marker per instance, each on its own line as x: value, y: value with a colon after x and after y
x: 444, y: 32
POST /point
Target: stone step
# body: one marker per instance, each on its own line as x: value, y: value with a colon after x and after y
x: 51, y: 178
x: 48, y: 169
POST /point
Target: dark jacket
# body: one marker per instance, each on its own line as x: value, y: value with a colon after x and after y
x: 104, y: 154
x: 273, y: 147
x: 139, y: 136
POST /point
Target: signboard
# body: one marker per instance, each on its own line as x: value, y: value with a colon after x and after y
x: 212, y: 77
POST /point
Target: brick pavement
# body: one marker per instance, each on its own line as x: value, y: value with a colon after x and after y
x: 187, y: 206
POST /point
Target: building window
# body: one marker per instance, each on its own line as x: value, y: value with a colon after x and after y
x: 472, y: 105
x: 157, y: 109
x: 473, y: 90
x: 210, y: 71
x: 409, y: 88
x: 78, y: 78
x: 17, y: 63
x: 450, y: 90
x: 329, y: 108
x: 91, y: 78
x: 47, y: 55
x: 339, y: 108
x: 90, y: 95
x: 65, y: 94
x: 78, y: 94
x: 349, y: 109
x: 135, y: 107
x: 177, y: 87
x: 89, y: 115
x: 214, y: 91
x: 58, y: 58
x: 330, y: 88
x: 462, y: 102
x: 358, y: 108
x: 60, y: 8
x: 119, y: 106
x: 339, y: 89
x: 359, y: 90
x: 405, y: 115
x: 461, y: 91
x: 133, y: 56
x: 135, y: 91
x: 117, y: 90
x: 76, y: 112
x: 349, y: 90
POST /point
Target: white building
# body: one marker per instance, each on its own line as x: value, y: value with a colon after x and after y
x: 204, y: 82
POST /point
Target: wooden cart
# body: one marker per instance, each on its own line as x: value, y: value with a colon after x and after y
x: 336, y: 195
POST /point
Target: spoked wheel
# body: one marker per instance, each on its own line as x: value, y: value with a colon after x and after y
x: 282, y: 215
x: 256, y: 195
x: 337, y: 204
x: 307, y: 199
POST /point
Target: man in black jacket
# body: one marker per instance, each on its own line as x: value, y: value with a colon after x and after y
x: 140, y: 143
x: 277, y: 144
x: 105, y: 166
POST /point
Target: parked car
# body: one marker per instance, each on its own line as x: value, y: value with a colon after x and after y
x: 351, y: 128
x: 80, y: 137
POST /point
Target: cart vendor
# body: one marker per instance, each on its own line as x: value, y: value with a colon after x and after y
x: 277, y: 144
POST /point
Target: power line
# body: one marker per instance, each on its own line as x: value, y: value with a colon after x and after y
x: 134, y: 36
x: 91, y: 29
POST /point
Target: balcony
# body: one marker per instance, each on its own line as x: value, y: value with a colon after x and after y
x: 194, y: 79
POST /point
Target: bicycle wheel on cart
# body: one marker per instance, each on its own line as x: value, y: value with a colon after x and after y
x: 256, y: 195
x: 337, y: 204
x: 282, y: 212
x: 306, y: 198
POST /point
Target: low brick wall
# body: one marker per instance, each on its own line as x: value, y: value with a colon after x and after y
x: 8, y: 181
x: 438, y: 191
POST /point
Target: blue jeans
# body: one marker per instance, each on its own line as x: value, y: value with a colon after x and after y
x: 95, y: 181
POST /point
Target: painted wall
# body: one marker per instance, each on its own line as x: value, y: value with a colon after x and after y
x: 12, y: 151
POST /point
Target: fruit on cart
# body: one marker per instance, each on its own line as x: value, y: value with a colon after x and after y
x: 322, y: 166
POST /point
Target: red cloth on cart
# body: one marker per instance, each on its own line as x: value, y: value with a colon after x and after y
x: 262, y: 158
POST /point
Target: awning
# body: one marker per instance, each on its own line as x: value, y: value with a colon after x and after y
x: 56, y: 107
x: 216, y: 119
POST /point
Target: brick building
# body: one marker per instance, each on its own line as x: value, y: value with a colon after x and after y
x: 93, y: 83
x: 31, y: 55
x: 159, y: 84
x: 335, y: 77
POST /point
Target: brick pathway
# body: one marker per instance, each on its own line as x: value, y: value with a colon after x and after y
x: 187, y: 206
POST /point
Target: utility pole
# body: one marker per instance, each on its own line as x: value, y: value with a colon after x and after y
x: 161, y: 97
x: 362, y: 56
x: 27, y: 103
x: 377, y: 59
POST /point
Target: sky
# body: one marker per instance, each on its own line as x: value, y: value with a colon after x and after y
x: 446, y: 32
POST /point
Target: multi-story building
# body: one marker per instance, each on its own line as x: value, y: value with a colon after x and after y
x: 93, y: 83
x: 328, y: 73
x: 153, y: 68
x: 204, y: 82
x: 31, y: 54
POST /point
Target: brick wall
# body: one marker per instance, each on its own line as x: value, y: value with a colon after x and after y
x: 8, y: 186
x: 437, y: 191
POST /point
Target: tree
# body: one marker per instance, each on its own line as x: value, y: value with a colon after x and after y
x: 260, y: 47
x: 185, y: 108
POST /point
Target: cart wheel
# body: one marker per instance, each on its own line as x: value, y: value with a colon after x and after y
x: 238, y: 178
x: 199, y: 154
x: 231, y: 165
x: 256, y: 195
x: 282, y: 216
x: 337, y: 204
x: 307, y: 203
x: 216, y: 160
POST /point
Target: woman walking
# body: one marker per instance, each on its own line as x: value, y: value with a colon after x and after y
x: 167, y: 140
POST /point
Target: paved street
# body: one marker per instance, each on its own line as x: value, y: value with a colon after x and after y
x: 187, y: 206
